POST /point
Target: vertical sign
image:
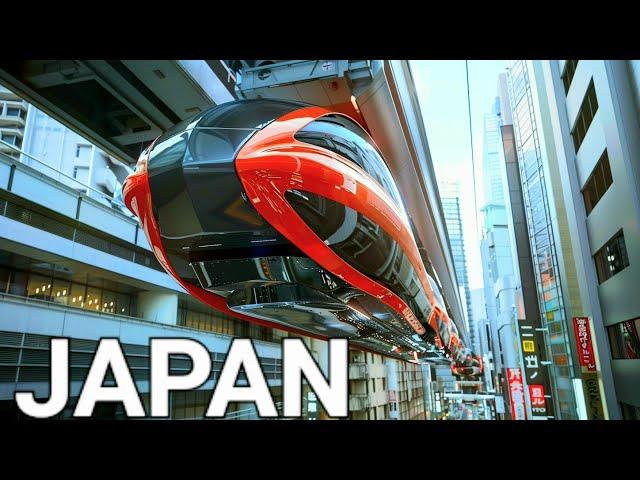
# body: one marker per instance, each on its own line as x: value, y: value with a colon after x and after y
x: 516, y: 394
x: 535, y: 371
x: 587, y: 358
x: 585, y: 346
x: 536, y: 394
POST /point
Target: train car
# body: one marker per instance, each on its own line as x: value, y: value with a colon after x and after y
x: 286, y: 215
x: 471, y: 366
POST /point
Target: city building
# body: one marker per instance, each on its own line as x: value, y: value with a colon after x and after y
x: 451, y: 208
x: 368, y: 386
x: 589, y: 111
x: 13, y: 117
x: 535, y: 242
x: 497, y: 252
x: 484, y: 346
x: 74, y: 263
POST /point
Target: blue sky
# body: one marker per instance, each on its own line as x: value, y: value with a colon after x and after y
x: 442, y: 91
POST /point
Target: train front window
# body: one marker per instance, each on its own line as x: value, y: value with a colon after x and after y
x: 220, y: 134
x: 216, y: 145
x: 250, y: 114
x: 346, y: 138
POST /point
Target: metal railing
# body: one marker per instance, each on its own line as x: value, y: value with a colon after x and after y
x: 358, y: 371
x: 69, y: 181
x: 52, y: 305
x: 358, y: 402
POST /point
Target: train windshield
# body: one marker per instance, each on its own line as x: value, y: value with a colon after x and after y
x: 217, y: 134
x: 250, y: 114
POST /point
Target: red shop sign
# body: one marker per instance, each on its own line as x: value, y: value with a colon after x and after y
x: 516, y: 394
x: 583, y: 340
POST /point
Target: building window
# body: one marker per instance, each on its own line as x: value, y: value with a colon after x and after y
x: 12, y: 139
x: 612, y: 257
x: 585, y: 116
x: 191, y: 405
x: 598, y: 183
x: 39, y: 287
x: 624, y: 339
x: 64, y: 292
x: 569, y: 72
x: 13, y: 112
x: 83, y: 152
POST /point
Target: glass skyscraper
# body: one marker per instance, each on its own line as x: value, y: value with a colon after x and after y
x: 450, y: 199
x: 541, y: 238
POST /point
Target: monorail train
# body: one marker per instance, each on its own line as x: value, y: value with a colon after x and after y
x: 286, y: 215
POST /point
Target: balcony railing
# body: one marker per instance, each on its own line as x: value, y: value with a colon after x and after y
x: 358, y: 402
x: 67, y: 180
x: 358, y: 371
x: 7, y: 298
x: 366, y: 371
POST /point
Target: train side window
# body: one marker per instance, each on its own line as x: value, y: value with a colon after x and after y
x: 344, y: 137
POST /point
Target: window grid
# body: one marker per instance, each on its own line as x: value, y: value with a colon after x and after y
x: 612, y: 258
x: 568, y: 73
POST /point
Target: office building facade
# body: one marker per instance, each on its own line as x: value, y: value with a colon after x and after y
x: 497, y: 252
x: 538, y: 240
x: 450, y: 200
x: 74, y: 263
x: 591, y: 111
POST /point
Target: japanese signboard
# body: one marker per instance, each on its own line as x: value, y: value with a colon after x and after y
x: 593, y: 400
x: 538, y: 401
x: 535, y: 370
x: 516, y: 394
x: 585, y: 346
x: 587, y: 359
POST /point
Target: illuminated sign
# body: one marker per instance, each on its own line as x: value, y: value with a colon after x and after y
x: 538, y: 402
x: 587, y: 359
x: 516, y: 394
x: 585, y: 346
x: 535, y: 370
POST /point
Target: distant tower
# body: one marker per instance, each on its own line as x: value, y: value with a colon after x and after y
x: 450, y: 199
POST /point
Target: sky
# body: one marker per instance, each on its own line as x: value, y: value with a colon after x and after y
x: 442, y: 91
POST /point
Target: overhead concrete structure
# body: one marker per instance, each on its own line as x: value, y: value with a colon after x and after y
x: 120, y: 105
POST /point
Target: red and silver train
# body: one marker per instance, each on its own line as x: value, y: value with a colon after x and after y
x: 286, y: 215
